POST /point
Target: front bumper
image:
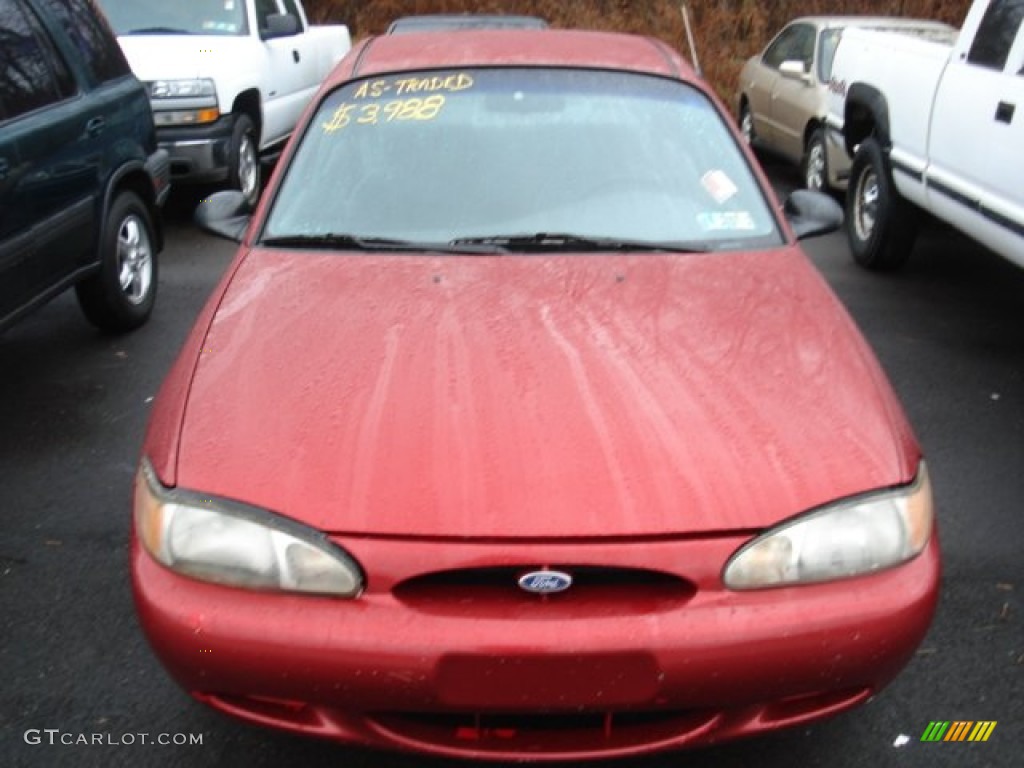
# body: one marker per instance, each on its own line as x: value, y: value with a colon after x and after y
x: 521, y: 676
x: 198, y: 153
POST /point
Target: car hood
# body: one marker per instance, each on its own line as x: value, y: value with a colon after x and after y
x: 173, y: 57
x: 535, y: 396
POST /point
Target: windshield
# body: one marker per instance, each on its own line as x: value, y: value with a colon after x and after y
x: 182, y: 17
x: 504, y: 155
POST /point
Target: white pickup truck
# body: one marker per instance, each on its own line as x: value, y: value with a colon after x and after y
x: 227, y: 79
x: 933, y: 127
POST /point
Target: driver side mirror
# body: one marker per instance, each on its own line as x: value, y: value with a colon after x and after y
x: 812, y: 213
x: 794, y: 70
x: 225, y: 214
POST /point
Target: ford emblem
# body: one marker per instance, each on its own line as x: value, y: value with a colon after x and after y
x: 545, y: 582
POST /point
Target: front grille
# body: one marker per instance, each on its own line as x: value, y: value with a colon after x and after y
x: 596, y: 590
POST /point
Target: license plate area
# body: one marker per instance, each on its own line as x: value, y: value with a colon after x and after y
x: 550, y: 682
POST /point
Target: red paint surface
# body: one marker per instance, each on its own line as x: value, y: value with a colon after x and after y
x: 737, y: 658
x: 528, y: 396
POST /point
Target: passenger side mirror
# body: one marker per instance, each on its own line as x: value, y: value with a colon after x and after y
x: 812, y: 213
x: 225, y: 214
x: 794, y: 70
x: 280, y: 25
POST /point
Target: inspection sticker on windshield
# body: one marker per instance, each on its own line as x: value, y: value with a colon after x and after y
x: 726, y: 221
x: 718, y: 185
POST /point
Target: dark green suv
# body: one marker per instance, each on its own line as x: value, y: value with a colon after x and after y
x: 81, y: 178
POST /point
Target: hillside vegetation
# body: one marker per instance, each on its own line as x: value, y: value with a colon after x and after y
x: 727, y: 32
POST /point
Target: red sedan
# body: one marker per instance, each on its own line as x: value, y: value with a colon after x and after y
x: 522, y: 428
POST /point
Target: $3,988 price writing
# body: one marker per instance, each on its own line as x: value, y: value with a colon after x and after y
x: 375, y: 113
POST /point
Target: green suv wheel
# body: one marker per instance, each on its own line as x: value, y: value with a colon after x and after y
x: 121, y: 295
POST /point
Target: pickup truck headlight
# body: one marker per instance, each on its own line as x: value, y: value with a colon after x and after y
x: 185, y: 116
x: 181, y: 89
x: 849, y: 538
x: 230, y: 543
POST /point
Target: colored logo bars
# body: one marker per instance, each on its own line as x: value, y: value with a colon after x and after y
x: 959, y: 730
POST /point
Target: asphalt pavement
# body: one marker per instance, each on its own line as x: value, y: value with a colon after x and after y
x: 949, y: 330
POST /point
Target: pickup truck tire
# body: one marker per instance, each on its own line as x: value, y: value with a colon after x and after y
x: 121, y: 295
x: 815, y: 162
x: 880, y: 225
x: 243, y: 159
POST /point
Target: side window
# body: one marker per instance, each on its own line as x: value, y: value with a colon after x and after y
x: 996, y: 33
x: 31, y: 73
x: 795, y: 43
x: 265, y: 8
x: 89, y: 33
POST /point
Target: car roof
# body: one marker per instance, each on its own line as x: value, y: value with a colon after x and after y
x: 893, y: 22
x: 445, y: 21
x: 512, y: 48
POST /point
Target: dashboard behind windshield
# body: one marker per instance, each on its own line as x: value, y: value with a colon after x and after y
x: 168, y: 17
x: 446, y: 155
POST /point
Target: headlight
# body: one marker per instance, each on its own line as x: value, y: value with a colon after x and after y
x: 230, y: 543
x: 185, y: 116
x: 852, y: 537
x: 181, y: 89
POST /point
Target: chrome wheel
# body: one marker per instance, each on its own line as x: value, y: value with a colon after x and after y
x: 134, y: 259
x: 865, y: 205
x: 747, y: 125
x: 814, y: 169
x: 248, y: 171
x: 120, y: 296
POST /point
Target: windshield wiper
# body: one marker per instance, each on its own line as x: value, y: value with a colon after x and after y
x: 562, y: 241
x: 486, y: 244
x: 157, y: 31
x: 343, y: 241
